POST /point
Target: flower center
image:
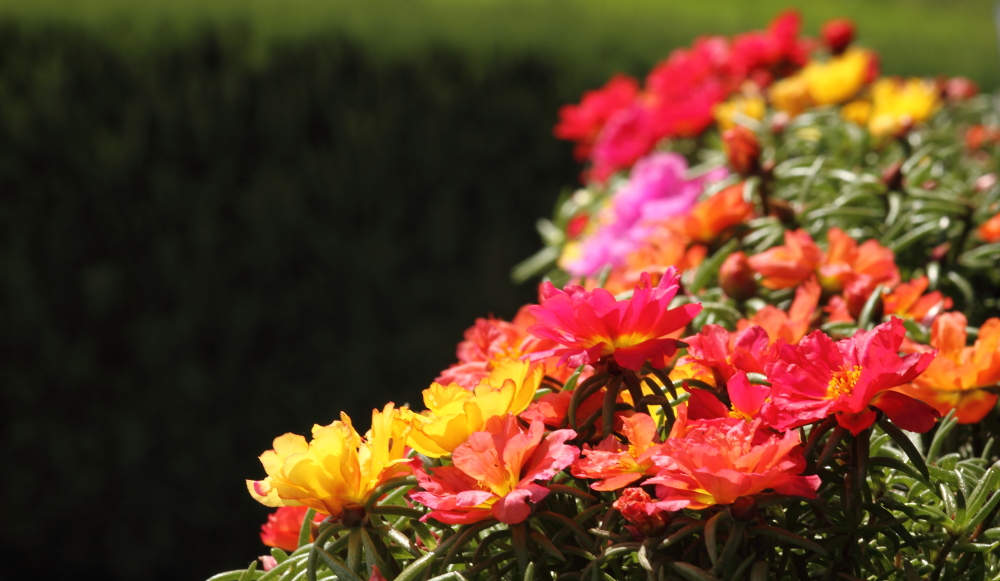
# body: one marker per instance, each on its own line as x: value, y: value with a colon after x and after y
x: 737, y: 414
x: 843, y: 381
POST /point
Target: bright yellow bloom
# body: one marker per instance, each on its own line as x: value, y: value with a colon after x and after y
x: 859, y: 112
x: 790, y: 95
x: 453, y: 412
x: 751, y: 106
x: 840, y: 78
x: 897, y: 104
x: 337, y: 468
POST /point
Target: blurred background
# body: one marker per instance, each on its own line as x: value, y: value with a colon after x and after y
x: 225, y: 220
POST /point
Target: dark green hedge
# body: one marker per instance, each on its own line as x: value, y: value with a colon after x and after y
x: 198, y: 254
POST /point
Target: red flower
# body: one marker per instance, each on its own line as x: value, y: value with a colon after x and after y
x: 583, y: 123
x: 283, y: 525
x: 838, y: 34
x: 818, y: 377
x: 639, y: 509
x: 617, y: 465
x: 717, y: 461
x: 591, y: 325
x: 495, y: 473
x: 793, y: 325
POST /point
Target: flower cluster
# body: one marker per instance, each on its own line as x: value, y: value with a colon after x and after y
x: 755, y: 332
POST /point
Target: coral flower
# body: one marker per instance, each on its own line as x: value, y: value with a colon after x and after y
x: 712, y: 217
x: 454, y: 412
x: 638, y: 508
x: 856, y: 270
x: 617, y: 465
x: 660, y: 249
x: 726, y: 353
x: 989, y: 230
x: 591, y: 325
x: 495, y: 473
x: 818, y: 377
x: 282, y: 527
x: 489, y: 342
x: 793, y: 325
x: 953, y: 380
x: 337, y: 468
x: 789, y: 265
x: 717, y: 461
x: 908, y: 301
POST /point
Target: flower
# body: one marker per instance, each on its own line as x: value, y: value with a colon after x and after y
x: 591, y: 325
x: 711, y: 217
x: 582, y: 123
x: 729, y: 114
x: 283, y: 525
x: 908, y: 301
x: 658, y: 189
x: 617, y: 465
x: 793, y: 325
x: 662, y: 248
x: 717, y: 461
x: 638, y: 508
x: 742, y: 149
x: 790, y: 95
x: 837, y: 34
x: 819, y: 377
x: 454, y: 412
x: 955, y: 377
x: 489, y: 342
x: 989, y: 231
x: 337, y: 468
x: 726, y: 353
x: 841, y: 77
x: 495, y: 473
x: 899, y: 104
x: 789, y: 265
x: 856, y: 270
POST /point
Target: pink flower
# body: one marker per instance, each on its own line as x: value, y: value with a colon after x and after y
x: 495, y: 473
x: 819, y: 377
x: 591, y: 325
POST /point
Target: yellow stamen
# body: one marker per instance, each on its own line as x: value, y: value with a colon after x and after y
x: 843, y: 382
x: 740, y: 415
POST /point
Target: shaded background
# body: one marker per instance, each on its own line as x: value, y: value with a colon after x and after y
x: 222, y: 221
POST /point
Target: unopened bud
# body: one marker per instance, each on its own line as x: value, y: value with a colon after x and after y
x: 743, y: 150
x: 892, y: 176
x: 958, y: 89
x: 838, y: 34
x: 743, y: 509
x: 636, y: 506
x: 736, y: 277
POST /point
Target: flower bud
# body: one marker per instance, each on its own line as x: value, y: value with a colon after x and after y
x: 743, y: 509
x: 957, y: 89
x: 743, y: 150
x: 838, y: 34
x: 736, y: 277
x: 635, y: 506
x: 892, y: 176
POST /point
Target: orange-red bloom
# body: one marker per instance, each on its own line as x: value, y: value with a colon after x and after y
x: 793, y: 325
x: 495, y: 473
x: 908, y: 301
x: 617, y: 465
x: 638, y: 508
x: 583, y: 123
x: 789, y: 265
x: 716, y: 462
x: 712, y: 217
x: 591, y: 325
x: 953, y: 380
x: 282, y: 527
x: 856, y: 270
x: 818, y: 377
x: 989, y: 230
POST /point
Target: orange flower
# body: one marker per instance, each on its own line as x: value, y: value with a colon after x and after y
x: 955, y: 376
x: 282, y: 527
x: 989, y: 231
x: 710, y: 218
x: 908, y: 301
x: 662, y: 249
x: 716, y: 462
x: 617, y: 465
x: 789, y: 265
x: 794, y: 324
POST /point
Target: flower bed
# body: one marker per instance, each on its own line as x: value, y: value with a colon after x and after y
x: 750, y: 358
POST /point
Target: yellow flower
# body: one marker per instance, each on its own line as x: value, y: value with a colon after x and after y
x: 838, y: 79
x: 857, y: 111
x: 751, y: 106
x: 453, y: 412
x: 790, y: 95
x: 897, y: 104
x: 337, y: 468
